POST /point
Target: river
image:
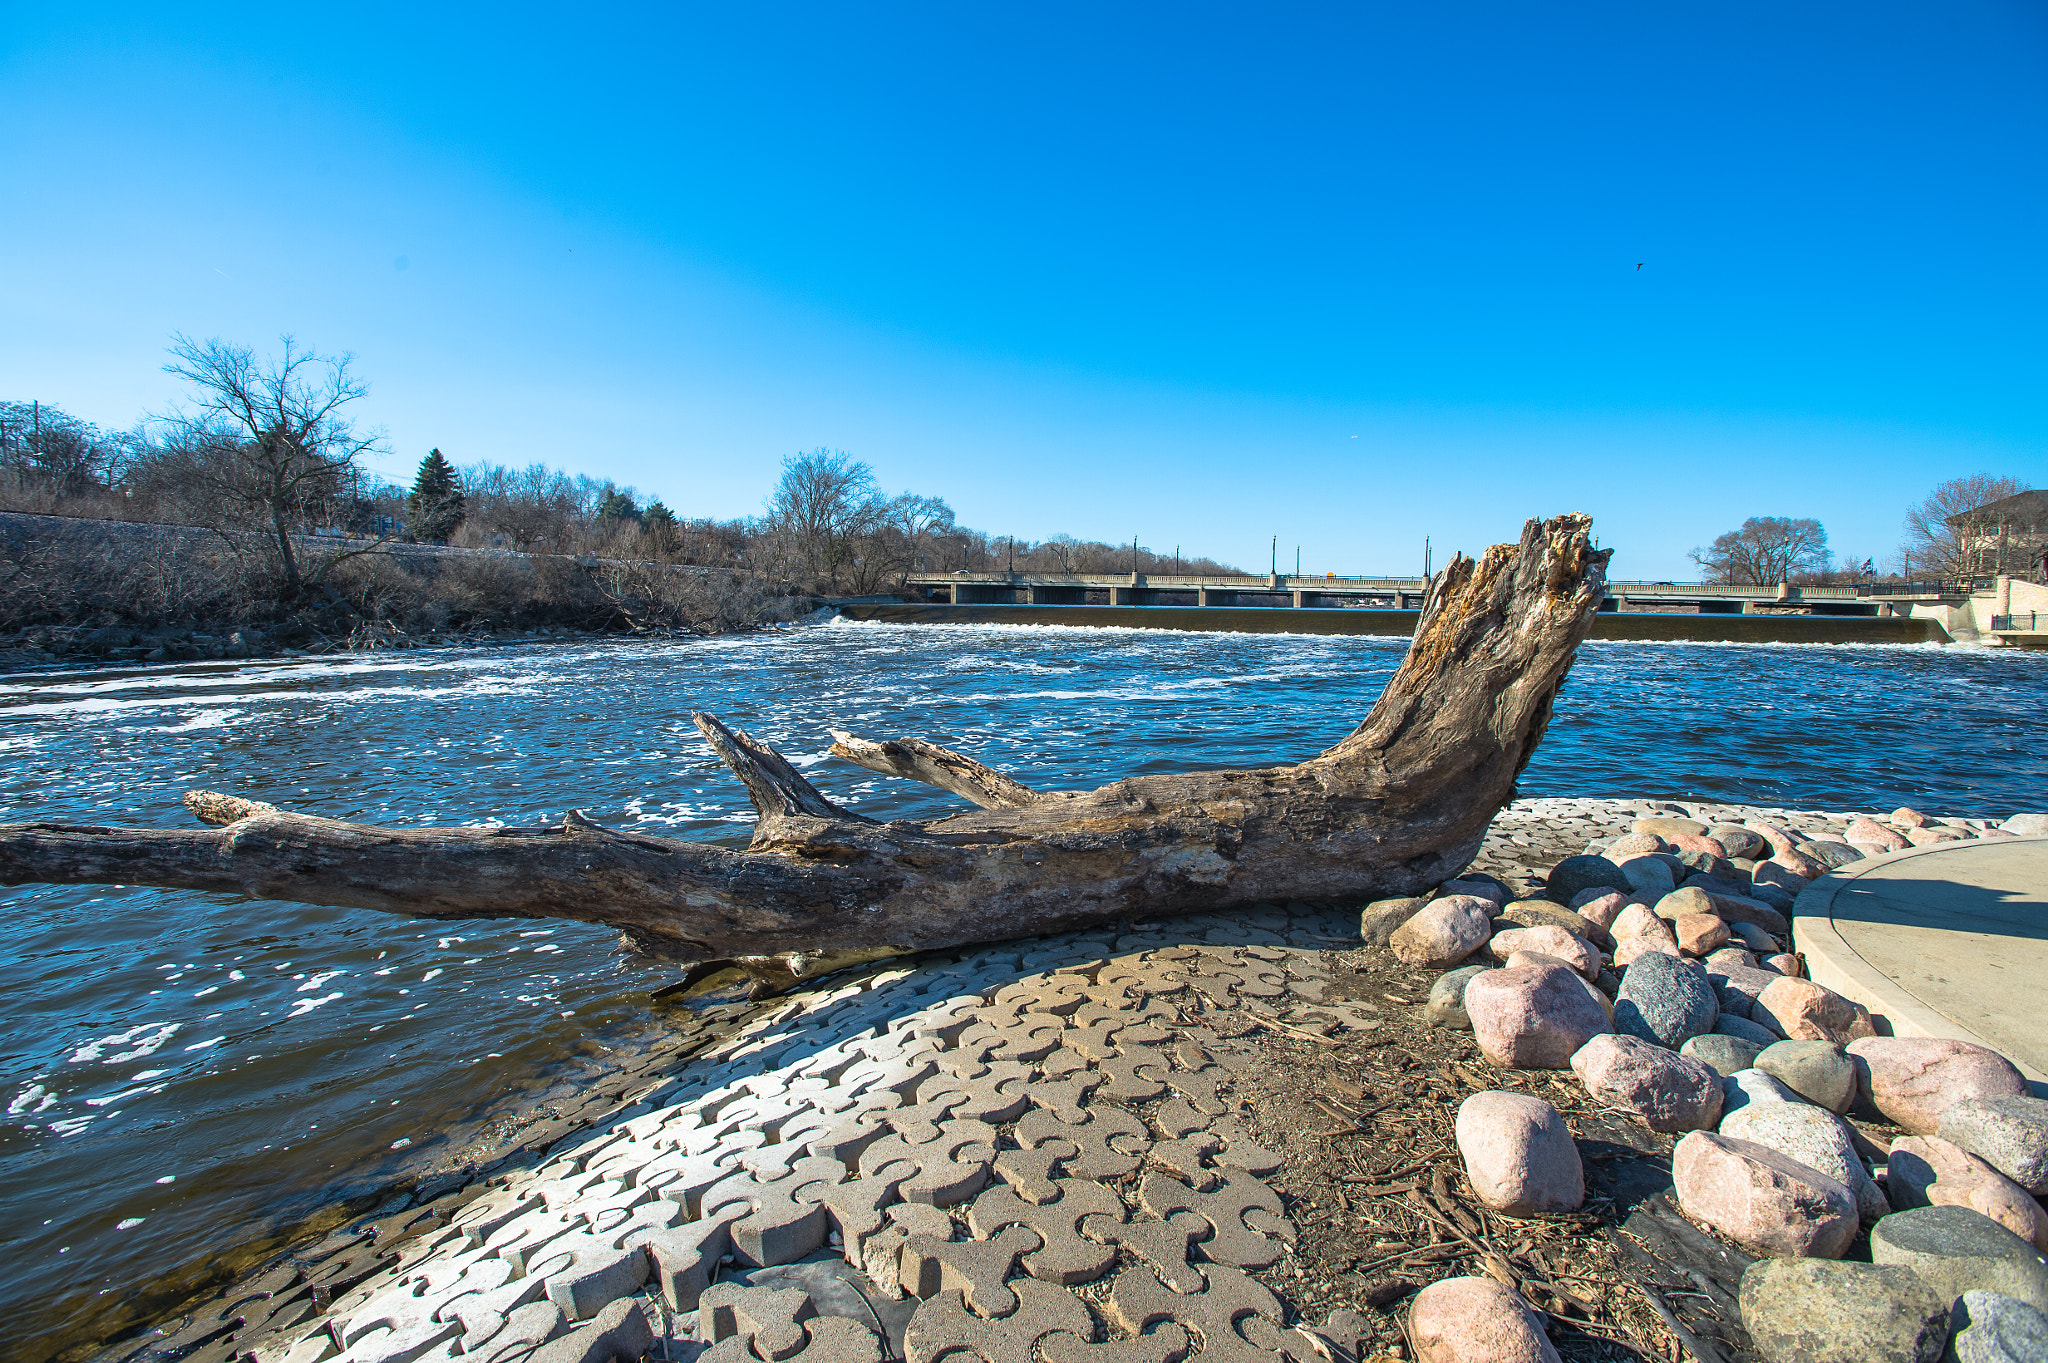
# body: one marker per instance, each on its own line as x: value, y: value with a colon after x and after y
x: 181, y: 1071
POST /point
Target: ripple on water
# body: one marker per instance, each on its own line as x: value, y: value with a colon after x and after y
x: 180, y: 1069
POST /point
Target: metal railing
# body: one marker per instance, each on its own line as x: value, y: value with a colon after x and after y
x: 2012, y: 623
x: 1953, y: 586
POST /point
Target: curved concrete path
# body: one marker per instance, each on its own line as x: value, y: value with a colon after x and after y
x: 1949, y: 940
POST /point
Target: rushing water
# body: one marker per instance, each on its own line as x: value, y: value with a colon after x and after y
x: 182, y: 1070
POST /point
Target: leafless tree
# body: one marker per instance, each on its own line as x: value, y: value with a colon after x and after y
x: 1765, y: 551
x: 270, y: 441
x: 1942, y: 531
x: 825, y: 502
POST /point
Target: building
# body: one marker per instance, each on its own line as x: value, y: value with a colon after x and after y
x: 2006, y: 536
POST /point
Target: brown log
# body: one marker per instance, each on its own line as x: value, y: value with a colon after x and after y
x: 1397, y: 806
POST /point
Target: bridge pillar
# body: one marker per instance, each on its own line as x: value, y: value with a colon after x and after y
x: 1302, y: 599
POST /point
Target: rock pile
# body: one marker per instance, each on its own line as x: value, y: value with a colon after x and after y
x: 1659, y: 967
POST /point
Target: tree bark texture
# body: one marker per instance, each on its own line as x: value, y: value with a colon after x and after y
x: 1400, y: 804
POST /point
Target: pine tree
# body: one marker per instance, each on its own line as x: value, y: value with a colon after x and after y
x: 435, y: 507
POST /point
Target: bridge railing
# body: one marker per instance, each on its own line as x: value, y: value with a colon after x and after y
x: 2029, y: 623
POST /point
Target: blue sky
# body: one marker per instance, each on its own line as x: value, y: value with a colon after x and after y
x: 1348, y: 274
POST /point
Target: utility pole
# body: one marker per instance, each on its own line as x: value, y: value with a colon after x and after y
x: 1134, y: 553
x: 1176, y: 560
x: 1276, y: 556
x: 1297, y: 560
x: 1013, y: 555
x: 1425, y: 559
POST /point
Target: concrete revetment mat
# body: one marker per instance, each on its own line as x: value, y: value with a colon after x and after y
x: 1946, y: 941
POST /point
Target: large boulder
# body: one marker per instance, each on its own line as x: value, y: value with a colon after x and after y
x: 1444, y: 931
x: 1549, y: 940
x: 1737, y: 988
x: 1664, y: 826
x: 1381, y: 917
x: 1744, y: 1087
x: 1913, y: 1080
x: 1781, y: 872
x: 1532, y: 1017
x: 2008, y: 1133
x: 1491, y: 888
x: 1740, y: 842
x: 1778, y: 837
x: 1956, y: 1250
x: 1671, y: 1093
x: 1817, y: 1139
x: 1988, y: 1327
x: 1475, y: 1320
x: 1821, y: 1311
x: 1723, y: 1054
x: 1817, y: 1071
x: 1870, y: 833
x: 1927, y: 1171
x: 1805, y: 1011
x: 1536, y: 913
x: 1651, y: 877
x: 1767, y: 1203
x: 1519, y: 1154
x: 1446, y: 1006
x: 1574, y: 874
x: 1664, y: 1000
x: 1742, y: 1029
x: 1701, y: 933
x: 2026, y: 825
x: 1737, y: 908
x: 1829, y: 856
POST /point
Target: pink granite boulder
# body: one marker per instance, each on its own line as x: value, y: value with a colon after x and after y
x: 1634, y: 845
x: 1907, y: 817
x: 1533, y: 1016
x: 1871, y: 833
x: 1699, y: 933
x: 1780, y: 838
x: 1785, y: 963
x: 1548, y: 940
x: 1768, y: 1203
x: 1444, y: 931
x: 1519, y: 1154
x: 1696, y: 842
x: 1928, y: 837
x: 1627, y: 950
x: 1638, y: 919
x: 1670, y: 1092
x: 1805, y: 1011
x: 1927, y: 1171
x: 1476, y: 1320
x: 1912, y: 1080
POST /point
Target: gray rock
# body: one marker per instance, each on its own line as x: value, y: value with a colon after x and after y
x: 1724, y: 1055
x: 1828, y: 855
x: 1776, y: 896
x: 1737, y: 988
x: 1824, y: 1311
x: 1573, y: 874
x: 1957, y: 1250
x: 1744, y: 1087
x: 1377, y: 923
x: 1740, y: 842
x: 2026, y: 825
x: 1651, y: 877
x: 1742, y: 1029
x: 1705, y: 864
x: 1484, y: 886
x: 2010, y: 1134
x: 1987, y: 1327
x: 1817, y: 1071
x: 1664, y: 1000
x: 1755, y: 938
x: 1446, y: 1006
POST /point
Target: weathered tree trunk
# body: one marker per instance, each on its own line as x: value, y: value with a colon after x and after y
x: 1400, y: 804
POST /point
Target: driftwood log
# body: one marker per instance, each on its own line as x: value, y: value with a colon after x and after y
x: 1400, y: 804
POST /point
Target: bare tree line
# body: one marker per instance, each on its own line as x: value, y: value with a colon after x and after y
x: 267, y: 513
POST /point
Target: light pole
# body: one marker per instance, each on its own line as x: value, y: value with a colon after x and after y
x: 1276, y: 556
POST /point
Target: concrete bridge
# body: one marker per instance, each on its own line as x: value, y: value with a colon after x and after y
x: 1399, y: 593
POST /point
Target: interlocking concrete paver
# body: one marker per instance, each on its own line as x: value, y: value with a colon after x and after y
x: 1064, y: 1255
x: 945, y: 1331
x: 1225, y: 1206
x: 974, y: 1268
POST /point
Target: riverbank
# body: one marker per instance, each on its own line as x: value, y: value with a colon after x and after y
x: 1271, y: 1079
x: 1646, y: 626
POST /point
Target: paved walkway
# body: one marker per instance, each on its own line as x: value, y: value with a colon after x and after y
x: 1949, y: 940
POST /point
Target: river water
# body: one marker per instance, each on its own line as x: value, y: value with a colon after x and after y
x: 180, y: 1071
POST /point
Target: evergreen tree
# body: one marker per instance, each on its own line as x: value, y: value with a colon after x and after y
x: 435, y: 507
